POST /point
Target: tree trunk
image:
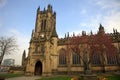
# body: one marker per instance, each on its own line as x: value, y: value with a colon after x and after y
x: 103, y: 62
x: 1, y: 58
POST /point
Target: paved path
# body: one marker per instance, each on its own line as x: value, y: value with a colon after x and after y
x: 25, y: 78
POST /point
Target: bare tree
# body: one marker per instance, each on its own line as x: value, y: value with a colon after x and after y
x: 7, y: 46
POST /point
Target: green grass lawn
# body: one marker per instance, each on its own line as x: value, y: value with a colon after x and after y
x: 113, y: 77
x: 69, y: 78
x: 10, y: 75
x: 56, y: 78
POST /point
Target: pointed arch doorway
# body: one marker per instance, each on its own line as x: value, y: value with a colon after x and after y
x: 38, y: 68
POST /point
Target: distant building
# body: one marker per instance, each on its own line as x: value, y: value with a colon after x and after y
x: 9, y: 62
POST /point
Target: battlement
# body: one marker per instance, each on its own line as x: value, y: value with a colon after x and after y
x: 45, y: 11
x: 115, y: 35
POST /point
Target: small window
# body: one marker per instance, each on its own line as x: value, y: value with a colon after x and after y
x: 75, y: 58
x: 112, y: 59
x: 95, y: 59
x: 62, y: 57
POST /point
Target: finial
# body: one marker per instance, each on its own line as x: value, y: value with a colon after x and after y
x: 65, y: 35
x: 113, y: 30
x: 49, y: 9
x: 73, y: 34
x: 100, y: 25
x: 54, y: 13
x: 91, y: 32
x: 32, y: 33
x: 116, y: 30
x: 83, y: 33
x: 101, y: 30
x: 68, y: 35
x: 38, y: 8
x: 49, y: 5
x: 44, y: 8
x: 24, y: 53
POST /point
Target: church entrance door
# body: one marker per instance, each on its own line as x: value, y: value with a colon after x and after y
x: 38, y: 68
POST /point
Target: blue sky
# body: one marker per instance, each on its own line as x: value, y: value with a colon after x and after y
x: 17, y: 18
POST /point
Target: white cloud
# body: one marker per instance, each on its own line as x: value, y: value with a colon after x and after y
x: 112, y: 21
x: 112, y: 9
x: 109, y: 16
x: 105, y: 4
x: 91, y: 24
x: 109, y: 22
x: 2, y: 3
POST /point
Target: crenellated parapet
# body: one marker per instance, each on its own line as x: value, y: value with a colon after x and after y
x: 115, y: 35
x: 46, y: 11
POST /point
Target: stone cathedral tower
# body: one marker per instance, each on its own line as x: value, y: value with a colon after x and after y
x: 43, y: 44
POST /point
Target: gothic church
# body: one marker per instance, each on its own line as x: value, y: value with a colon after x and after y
x: 45, y: 50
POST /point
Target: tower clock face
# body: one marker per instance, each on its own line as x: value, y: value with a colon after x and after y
x: 42, y: 35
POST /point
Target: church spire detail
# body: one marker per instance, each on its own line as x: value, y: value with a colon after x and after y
x: 101, y: 29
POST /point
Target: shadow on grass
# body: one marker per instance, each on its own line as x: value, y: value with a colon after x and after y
x: 10, y: 75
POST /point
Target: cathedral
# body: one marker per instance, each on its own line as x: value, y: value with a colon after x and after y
x: 45, y: 54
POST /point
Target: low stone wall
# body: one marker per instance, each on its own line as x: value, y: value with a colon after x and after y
x: 89, y: 77
x: 17, y: 70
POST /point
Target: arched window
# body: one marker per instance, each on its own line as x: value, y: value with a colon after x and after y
x: 62, y: 57
x: 43, y: 25
x: 42, y: 49
x: 112, y: 59
x: 95, y: 59
x: 75, y: 58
